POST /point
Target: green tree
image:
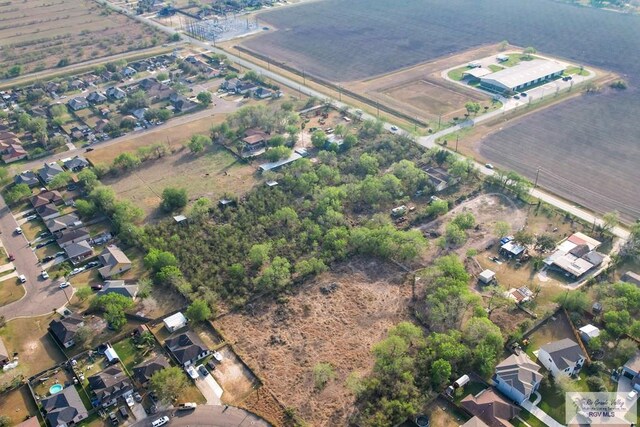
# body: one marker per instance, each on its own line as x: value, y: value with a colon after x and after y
x: 311, y: 266
x: 84, y: 293
x: 198, y: 311
x: 609, y: 221
x: 624, y: 350
x: 17, y: 193
x: 169, y: 383
x: 545, y: 242
x: 472, y: 107
x: 440, y: 372
x: 573, y: 301
x: 259, y: 254
x: 454, y: 235
x: 169, y: 275
x: 60, y: 180
x: 318, y: 139
x: 173, y: 199
x: 502, y: 228
x: 464, y: 220
x: 157, y: 259
x: 276, y: 276
x: 524, y: 237
x: 528, y: 52
x: 88, y: 179
x: 437, y: 208
x: 126, y: 161
x: 204, y: 97
x: 322, y: 374
x: 84, y: 334
x: 164, y: 114
x: 278, y: 153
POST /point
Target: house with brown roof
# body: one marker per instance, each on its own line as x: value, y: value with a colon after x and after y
x: 45, y: 198
x: 143, y: 372
x: 14, y: 153
x: 110, y: 385
x: 48, y: 211
x: 187, y: 348
x: 254, y: 142
x: 492, y: 409
x: 475, y: 422
x: 114, y: 261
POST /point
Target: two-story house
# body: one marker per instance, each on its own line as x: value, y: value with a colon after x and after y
x: 563, y: 357
x: 517, y: 377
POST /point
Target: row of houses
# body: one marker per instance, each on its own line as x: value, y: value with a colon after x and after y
x: 10, y: 146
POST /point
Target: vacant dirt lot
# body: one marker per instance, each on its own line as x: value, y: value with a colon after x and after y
x: 17, y: 405
x: 283, y: 342
x: 37, y: 34
x: 422, y: 92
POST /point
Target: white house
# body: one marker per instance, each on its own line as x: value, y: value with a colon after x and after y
x: 563, y: 357
x: 175, y: 322
x: 517, y: 377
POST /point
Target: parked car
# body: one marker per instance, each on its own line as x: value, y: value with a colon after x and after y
x: 129, y: 400
x: 64, y: 285
x: 22, y: 278
x: 48, y: 258
x: 123, y: 412
x: 192, y: 372
x: 96, y: 287
x: 394, y: 128
x: 488, y: 166
x: 44, y: 275
x: 18, y: 230
x: 137, y: 397
x: 61, y: 253
x: 203, y: 371
x: 187, y: 406
x: 211, y: 365
x: 113, y: 419
x: 43, y: 244
x: 76, y: 271
x: 44, y: 234
x: 32, y: 217
x: 92, y: 264
x: 632, y: 395
x: 160, y: 421
x: 11, y: 257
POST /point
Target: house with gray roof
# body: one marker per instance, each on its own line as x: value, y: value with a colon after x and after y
x: 631, y: 370
x: 47, y: 212
x: 143, y: 372
x: 27, y: 177
x: 492, y: 409
x: 78, y: 103
x: 49, y: 171
x: 76, y: 163
x: 563, y: 357
x: 517, y: 377
x: 63, y: 222
x: 187, y: 348
x: 475, y: 422
x: 67, y: 237
x: 114, y: 261
x: 77, y: 252
x: 119, y: 287
x: 64, y: 330
x: 110, y: 385
x: 64, y: 408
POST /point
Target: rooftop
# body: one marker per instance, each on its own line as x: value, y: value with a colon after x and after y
x: 525, y: 72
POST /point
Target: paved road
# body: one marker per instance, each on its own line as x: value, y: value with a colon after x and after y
x: 208, y: 416
x: 43, y: 296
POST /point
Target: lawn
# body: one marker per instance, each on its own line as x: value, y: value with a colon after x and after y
x: 528, y: 418
x: 573, y: 70
x: 10, y: 290
x: 17, y: 405
x: 457, y: 73
x: 129, y: 353
x: 554, y: 329
x: 31, y: 229
x: 495, y: 68
x: 48, y: 250
x: 35, y: 347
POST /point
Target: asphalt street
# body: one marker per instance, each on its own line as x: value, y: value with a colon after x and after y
x: 207, y: 416
x: 43, y: 296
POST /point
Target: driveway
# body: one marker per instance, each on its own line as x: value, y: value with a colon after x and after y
x: 42, y: 296
x: 209, y: 389
x: 209, y: 416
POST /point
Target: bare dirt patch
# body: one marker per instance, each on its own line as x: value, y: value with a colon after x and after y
x: 18, y: 405
x: 232, y: 375
x: 283, y: 342
x: 422, y: 92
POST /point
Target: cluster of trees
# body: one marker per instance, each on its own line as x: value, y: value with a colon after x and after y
x: 456, y: 231
x: 278, y: 236
x: 113, y: 305
x: 509, y: 181
x: 410, y: 367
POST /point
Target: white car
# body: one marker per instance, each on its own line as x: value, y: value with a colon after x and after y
x: 394, y: 128
x: 64, y: 285
x: 22, y: 278
x: 632, y: 395
x: 488, y: 166
x: 129, y: 400
x: 18, y: 230
x: 160, y: 421
x: 44, y: 275
x: 77, y: 271
x: 192, y: 372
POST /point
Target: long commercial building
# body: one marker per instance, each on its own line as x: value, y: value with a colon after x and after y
x: 521, y: 76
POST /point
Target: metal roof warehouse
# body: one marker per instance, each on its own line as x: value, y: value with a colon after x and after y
x: 521, y: 76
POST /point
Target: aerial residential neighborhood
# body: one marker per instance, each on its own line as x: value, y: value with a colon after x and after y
x: 319, y: 213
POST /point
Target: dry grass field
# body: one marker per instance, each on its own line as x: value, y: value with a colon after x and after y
x: 17, y: 405
x: 283, y: 342
x: 37, y: 34
x: 422, y: 92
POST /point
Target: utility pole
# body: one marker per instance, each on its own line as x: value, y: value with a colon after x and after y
x: 378, y: 109
x: 535, y: 184
x: 457, y: 139
x: 304, y: 77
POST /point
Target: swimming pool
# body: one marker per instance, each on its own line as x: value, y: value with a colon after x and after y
x: 56, y: 388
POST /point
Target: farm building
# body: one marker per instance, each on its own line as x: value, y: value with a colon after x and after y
x: 476, y: 73
x: 522, y: 76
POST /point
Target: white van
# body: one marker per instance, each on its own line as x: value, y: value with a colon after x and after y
x: 22, y: 278
x: 160, y: 421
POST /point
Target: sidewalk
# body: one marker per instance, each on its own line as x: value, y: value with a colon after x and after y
x: 540, y: 414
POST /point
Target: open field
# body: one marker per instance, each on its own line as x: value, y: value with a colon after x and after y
x: 35, y: 347
x: 283, y: 342
x: 211, y: 174
x: 10, y: 290
x: 332, y: 39
x: 17, y: 405
x: 37, y: 35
